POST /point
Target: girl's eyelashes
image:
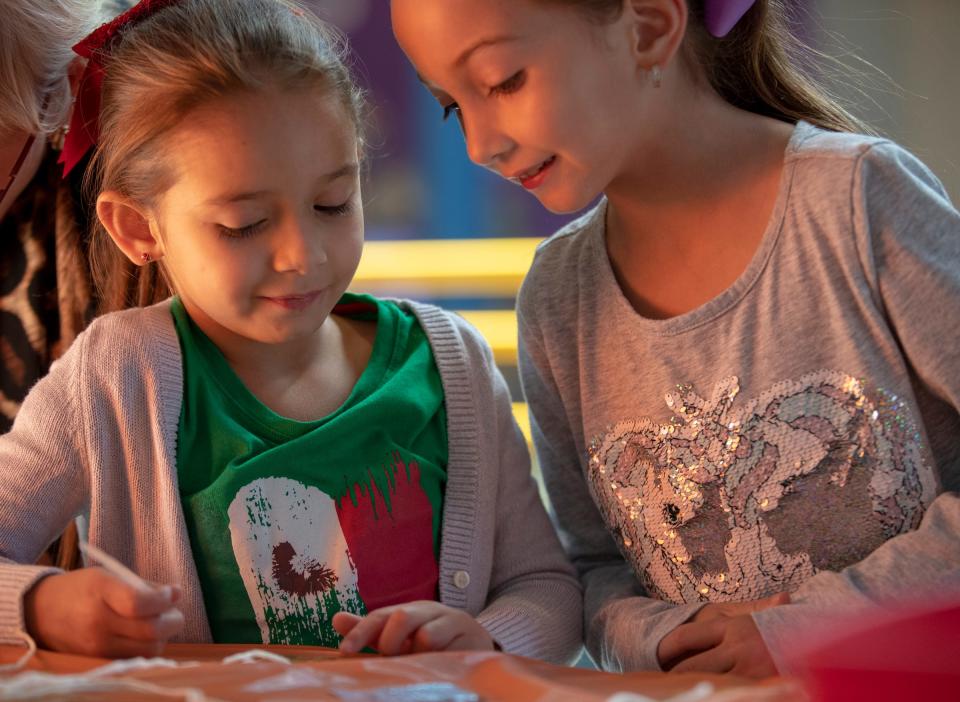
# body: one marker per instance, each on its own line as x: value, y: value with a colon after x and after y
x: 450, y: 109
x: 454, y: 108
x: 335, y: 210
x: 241, y: 232
x: 251, y: 229
x: 511, y: 84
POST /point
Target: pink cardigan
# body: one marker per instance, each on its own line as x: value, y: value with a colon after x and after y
x: 96, y: 439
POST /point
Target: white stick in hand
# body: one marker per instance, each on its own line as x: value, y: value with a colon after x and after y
x: 114, y: 566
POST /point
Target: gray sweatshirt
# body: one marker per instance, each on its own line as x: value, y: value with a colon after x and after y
x: 799, y: 432
x: 97, y: 438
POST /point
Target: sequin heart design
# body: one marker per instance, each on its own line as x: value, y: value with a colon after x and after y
x: 726, y: 503
x: 293, y: 559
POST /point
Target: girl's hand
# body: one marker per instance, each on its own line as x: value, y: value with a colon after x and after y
x: 412, y: 627
x: 93, y: 613
x: 721, y: 638
x: 735, y: 609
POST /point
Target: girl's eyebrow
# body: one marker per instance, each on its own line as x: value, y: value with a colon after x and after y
x: 236, y: 197
x: 483, y: 43
x: 348, y: 169
x: 465, y: 56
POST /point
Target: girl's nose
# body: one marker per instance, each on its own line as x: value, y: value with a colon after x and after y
x: 487, y: 145
x: 298, y: 248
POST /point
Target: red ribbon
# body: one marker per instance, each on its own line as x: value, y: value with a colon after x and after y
x: 85, y: 123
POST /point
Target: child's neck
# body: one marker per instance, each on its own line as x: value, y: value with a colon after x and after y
x: 685, y: 224
x: 308, y: 380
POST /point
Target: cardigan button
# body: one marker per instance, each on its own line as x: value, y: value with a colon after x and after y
x: 461, y: 579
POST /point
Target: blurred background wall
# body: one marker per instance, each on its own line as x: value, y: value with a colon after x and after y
x: 917, y: 45
x: 423, y: 186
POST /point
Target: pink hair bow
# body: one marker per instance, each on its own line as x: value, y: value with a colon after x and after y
x: 721, y: 16
x: 85, y: 123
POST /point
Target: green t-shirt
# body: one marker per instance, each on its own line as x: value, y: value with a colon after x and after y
x: 291, y: 522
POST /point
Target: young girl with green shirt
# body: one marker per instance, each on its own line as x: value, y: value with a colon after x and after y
x: 280, y: 461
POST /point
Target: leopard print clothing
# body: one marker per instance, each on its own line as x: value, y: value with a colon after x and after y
x: 45, y: 290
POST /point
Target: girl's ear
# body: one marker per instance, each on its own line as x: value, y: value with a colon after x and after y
x: 657, y: 30
x: 130, y: 226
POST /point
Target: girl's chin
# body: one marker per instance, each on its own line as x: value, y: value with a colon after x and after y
x: 564, y: 204
x: 280, y: 331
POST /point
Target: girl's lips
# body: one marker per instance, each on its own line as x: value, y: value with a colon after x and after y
x: 295, y: 302
x: 533, y: 179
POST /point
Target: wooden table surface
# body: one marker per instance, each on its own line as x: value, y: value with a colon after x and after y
x: 330, y: 676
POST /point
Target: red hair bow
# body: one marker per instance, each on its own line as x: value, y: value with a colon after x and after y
x: 85, y: 123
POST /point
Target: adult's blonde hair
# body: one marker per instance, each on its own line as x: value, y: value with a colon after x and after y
x: 760, y: 66
x: 36, y: 49
x: 164, y: 67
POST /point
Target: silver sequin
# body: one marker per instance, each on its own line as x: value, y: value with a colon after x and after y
x: 723, y: 504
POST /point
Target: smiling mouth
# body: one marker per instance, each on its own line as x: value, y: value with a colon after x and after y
x: 533, y: 177
x: 294, y: 302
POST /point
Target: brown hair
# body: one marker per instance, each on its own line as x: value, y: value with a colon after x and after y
x: 759, y: 66
x: 167, y: 65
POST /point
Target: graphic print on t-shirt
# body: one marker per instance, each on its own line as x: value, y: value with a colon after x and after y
x: 727, y: 503
x: 390, y: 535
x: 293, y: 559
x: 304, y: 556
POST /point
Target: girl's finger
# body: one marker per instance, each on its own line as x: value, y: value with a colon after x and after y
x: 403, y: 624
x: 160, y: 628
x: 781, y: 598
x: 176, y: 593
x: 688, y: 639
x: 366, y: 631
x: 437, y: 635
x: 734, y: 609
x: 708, y: 612
x: 344, y: 622
x: 714, y: 660
x: 136, y: 602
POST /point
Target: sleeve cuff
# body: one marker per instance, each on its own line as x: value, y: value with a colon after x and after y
x: 15, y: 582
x: 625, y: 634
